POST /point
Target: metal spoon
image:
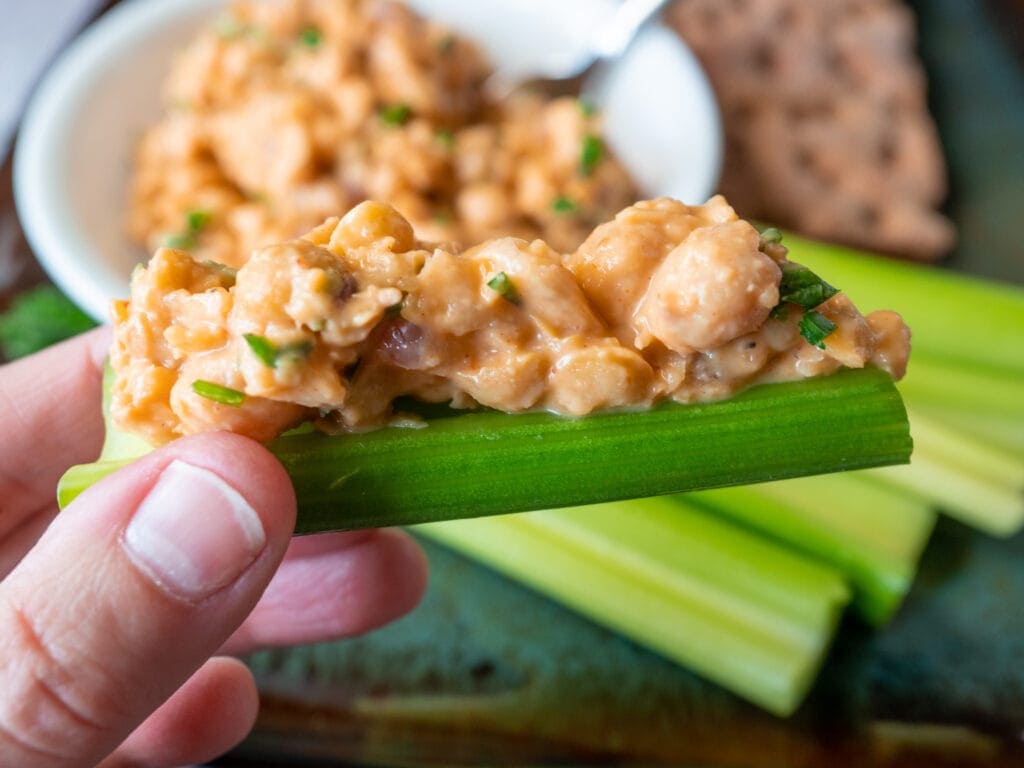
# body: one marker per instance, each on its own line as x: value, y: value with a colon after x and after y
x: 562, y: 70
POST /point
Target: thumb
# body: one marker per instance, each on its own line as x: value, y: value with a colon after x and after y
x: 131, y: 589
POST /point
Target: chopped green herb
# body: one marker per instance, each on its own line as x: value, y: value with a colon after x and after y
x: 394, y: 310
x: 446, y: 44
x: 587, y: 108
x: 780, y: 311
x: 218, y: 393
x: 802, y: 286
x: 270, y: 355
x: 445, y: 138
x: 815, y: 328
x: 591, y: 153
x: 230, y: 28
x: 182, y: 241
x: 298, y: 350
x: 229, y: 274
x: 262, y: 348
x: 771, y: 235
x: 310, y: 37
x: 503, y: 286
x: 395, y: 114
x: 563, y: 204
x: 197, y: 219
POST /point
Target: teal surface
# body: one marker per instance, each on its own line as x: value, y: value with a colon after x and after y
x: 486, y: 672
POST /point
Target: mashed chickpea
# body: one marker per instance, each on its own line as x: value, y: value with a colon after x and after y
x: 285, y: 113
x: 664, y: 301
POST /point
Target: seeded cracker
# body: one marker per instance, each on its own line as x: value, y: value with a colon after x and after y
x: 827, y: 128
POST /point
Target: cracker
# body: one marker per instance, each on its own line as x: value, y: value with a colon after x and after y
x: 826, y: 121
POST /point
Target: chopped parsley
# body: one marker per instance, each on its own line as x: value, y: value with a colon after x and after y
x: 591, y: 153
x: 395, y: 310
x: 770, y: 235
x: 230, y: 28
x: 310, y: 37
x: 229, y: 274
x: 270, y: 354
x: 563, y: 204
x: 395, y: 115
x: 195, y: 221
x: 182, y: 241
x: 801, y: 286
x: 503, y: 286
x: 815, y: 328
x: 446, y: 44
x: 445, y: 138
x: 218, y: 393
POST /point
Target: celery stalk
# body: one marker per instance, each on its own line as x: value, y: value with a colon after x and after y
x: 993, y: 508
x: 872, y: 534
x: 491, y: 463
x: 939, y: 383
x: 995, y: 429
x: 952, y: 316
x: 749, y: 615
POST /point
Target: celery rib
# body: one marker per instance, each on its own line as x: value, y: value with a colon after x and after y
x: 874, y: 535
x: 745, y: 613
x: 491, y: 463
x: 987, y: 332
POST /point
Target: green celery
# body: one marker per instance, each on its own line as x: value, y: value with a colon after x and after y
x: 491, y: 463
x: 993, y: 428
x: 873, y: 534
x: 970, y: 478
x: 745, y: 613
x: 952, y: 316
x: 939, y: 383
x: 993, y: 508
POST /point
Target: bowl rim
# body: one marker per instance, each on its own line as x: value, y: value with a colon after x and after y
x: 44, y: 208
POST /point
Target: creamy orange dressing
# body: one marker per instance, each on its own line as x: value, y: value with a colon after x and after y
x: 284, y: 113
x: 664, y: 301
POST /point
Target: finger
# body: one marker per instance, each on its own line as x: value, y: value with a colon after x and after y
x: 131, y: 589
x: 335, y: 586
x: 204, y: 718
x: 50, y: 418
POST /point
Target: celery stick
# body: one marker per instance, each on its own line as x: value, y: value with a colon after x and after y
x: 995, y: 429
x: 871, y: 533
x: 970, y: 455
x: 931, y: 381
x: 491, y: 463
x: 952, y: 315
x: 994, y: 508
x: 685, y: 549
x: 641, y: 586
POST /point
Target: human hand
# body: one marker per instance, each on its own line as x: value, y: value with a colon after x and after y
x: 112, y: 613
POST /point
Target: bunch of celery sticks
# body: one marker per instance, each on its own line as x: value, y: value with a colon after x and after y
x: 746, y: 585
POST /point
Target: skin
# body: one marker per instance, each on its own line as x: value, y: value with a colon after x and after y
x: 100, y: 662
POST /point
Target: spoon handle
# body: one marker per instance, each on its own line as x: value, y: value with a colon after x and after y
x: 618, y: 32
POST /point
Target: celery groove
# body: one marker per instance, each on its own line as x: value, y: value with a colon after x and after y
x: 487, y: 463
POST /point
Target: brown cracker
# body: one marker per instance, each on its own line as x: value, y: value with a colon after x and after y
x: 826, y: 122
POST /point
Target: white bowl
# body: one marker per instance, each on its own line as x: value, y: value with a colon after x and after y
x: 75, y: 148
